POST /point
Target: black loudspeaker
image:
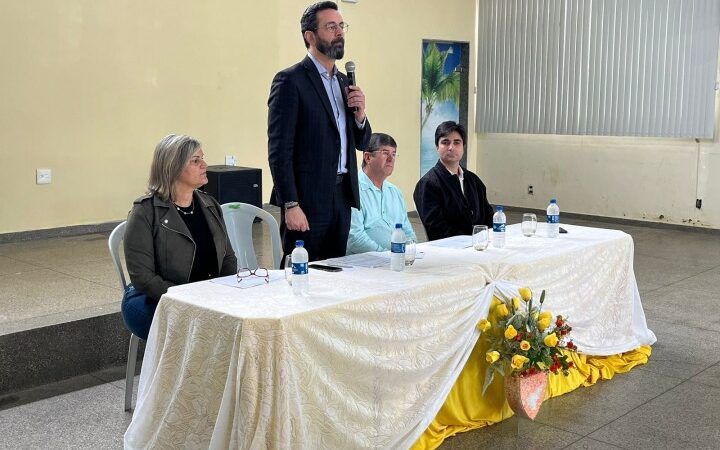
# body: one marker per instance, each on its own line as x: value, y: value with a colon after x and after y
x: 235, y: 184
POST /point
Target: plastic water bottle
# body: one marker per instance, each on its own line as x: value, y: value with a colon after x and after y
x: 499, y: 220
x: 553, y: 219
x: 300, y: 275
x: 397, y: 249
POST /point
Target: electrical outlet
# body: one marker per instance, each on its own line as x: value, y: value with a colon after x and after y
x: 530, y: 189
x: 43, y: 176
x: 229, y: 160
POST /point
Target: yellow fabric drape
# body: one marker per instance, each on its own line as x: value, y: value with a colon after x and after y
x: 467, y: 409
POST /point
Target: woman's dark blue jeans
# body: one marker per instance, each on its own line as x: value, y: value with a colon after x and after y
x: 137, y: 312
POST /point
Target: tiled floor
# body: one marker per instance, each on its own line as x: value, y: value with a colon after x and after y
x: 669, y: 403
x: 51, y: 281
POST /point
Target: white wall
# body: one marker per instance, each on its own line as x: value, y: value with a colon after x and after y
x: 649, y: 179
x: 633, y: 178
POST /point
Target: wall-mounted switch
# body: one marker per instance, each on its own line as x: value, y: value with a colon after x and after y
x: 43, y: 176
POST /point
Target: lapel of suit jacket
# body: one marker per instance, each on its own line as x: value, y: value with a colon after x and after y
x: 317, y: 83
x: 453, y: 182
x: 349, y: 116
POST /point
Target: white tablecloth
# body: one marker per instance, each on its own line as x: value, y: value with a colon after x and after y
x: 367, y: 359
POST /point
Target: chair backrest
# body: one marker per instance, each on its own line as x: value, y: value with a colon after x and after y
x: 239, y: 218
x: 114, y: 241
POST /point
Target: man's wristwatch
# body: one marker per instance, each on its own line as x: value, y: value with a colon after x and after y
x: 290, y: 205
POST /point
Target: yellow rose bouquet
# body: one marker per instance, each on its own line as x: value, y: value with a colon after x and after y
x: 523, y: 339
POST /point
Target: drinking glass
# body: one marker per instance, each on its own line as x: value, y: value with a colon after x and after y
x: 529, y: 224
x: 480, y: 237
x: 288, y: 269
x: 409, y: 252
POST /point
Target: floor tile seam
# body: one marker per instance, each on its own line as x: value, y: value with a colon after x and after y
x: 555, y: 427
x: 680, y: 381
x: 597, y: 440
x: 654, y: 307
x: 573, y: 442
x: 701, y: 383
x: 690, y: 262
x: 696, y: 291
x: 108, y: 382
x: 649, y: 291
x: 667, y: 258
x: 644, y: 368
x: 80, y: 259
x: 635, y: 408
x: 700, y: 373
x: 84, y: 279
x: 34, y: 269
x: 680, y: 323
x: 656, y: 372
x: 14, y: 259
x: 691, y: 276
x: 683, y: 324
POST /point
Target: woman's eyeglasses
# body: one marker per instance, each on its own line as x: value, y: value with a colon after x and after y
x: 260, y: 272
x: 197, y: 160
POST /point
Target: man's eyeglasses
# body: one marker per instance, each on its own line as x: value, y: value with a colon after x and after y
x: 332, y: 27
x: 260, y: 272
x: 386, y: 153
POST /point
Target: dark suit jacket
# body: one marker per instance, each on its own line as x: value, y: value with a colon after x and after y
x: 442, y: 207
x: 304, y: 141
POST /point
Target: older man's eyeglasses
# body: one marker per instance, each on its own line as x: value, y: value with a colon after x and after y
x: 246, y: 273
x: 386, y: 153
x: 332, y: 27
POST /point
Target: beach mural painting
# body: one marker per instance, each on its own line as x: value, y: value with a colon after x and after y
x: 443, y: 83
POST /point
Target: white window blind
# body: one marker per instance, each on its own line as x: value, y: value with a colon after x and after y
x: 598, y: 67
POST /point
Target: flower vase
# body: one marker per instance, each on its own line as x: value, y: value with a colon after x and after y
x: 526, y: 394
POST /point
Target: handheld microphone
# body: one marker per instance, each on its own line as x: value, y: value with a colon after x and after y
x: 350, y: 69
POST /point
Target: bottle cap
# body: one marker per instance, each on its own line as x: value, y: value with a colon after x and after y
x: 499, y: 208
x: 398, y: 225
x: 553, y: 200
x: 299, y: 243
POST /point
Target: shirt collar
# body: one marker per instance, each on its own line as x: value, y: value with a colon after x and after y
x: 366, y: 183
x: 460, y: 172
x: 321, y: 69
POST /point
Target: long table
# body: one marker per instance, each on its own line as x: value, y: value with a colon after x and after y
x: 368, y: 358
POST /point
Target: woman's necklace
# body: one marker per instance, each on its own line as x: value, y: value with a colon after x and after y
x: 187, y: 213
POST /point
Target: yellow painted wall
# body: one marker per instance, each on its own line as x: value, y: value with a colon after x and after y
x: 90, y: 86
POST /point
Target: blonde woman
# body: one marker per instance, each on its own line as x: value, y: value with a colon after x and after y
x: 175, y: 234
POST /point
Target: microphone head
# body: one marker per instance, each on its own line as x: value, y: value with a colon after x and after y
x: 349, y: 66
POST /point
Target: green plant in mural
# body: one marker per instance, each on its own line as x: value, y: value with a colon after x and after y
x: 437, y: 86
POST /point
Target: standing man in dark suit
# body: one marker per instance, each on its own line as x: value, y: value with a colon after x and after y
x: 315, y: 123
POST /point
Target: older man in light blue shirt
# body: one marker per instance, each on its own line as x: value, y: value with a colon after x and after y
x: 382, y: 203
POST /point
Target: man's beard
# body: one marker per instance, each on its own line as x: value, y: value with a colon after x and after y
x: 333, y: 50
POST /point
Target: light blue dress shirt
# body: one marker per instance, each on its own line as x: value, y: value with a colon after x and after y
x: 373, y: 224
x: 332, y: 88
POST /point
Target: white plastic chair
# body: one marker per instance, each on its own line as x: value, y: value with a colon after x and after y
x: 239, y: 218
x: 116, y: 238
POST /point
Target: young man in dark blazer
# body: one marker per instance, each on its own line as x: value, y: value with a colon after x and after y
x: 316, y: 121
x: 449, y: 198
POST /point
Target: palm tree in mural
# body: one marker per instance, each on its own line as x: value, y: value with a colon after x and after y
x: 437, y: 86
